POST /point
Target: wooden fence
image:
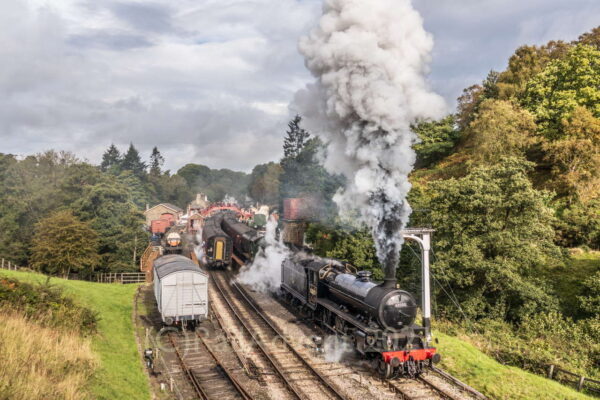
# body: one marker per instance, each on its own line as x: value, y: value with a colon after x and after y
x: 120, y: 277
x: 102, y: 277
x: 579, y: 381
x: 6, y: 264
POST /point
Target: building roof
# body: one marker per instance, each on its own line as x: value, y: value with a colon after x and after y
x: 167, y: 205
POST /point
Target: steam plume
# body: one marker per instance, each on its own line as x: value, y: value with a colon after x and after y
x: 370, y: 59
x: 264, y: 274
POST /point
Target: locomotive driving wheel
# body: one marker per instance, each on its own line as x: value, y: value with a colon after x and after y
x: 384, y: 369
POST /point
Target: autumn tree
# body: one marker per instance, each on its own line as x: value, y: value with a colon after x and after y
x: 575, y: 156
x: 63, y: 244
x: 500, y: 129
x: 564, y: 85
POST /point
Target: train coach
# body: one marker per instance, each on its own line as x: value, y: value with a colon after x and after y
x: 246, y: 240
x: 181, y: 290
x: 217, y: 245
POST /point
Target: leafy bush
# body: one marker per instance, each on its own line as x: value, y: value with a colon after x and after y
x: 48, y: 305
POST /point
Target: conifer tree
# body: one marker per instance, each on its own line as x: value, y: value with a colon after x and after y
x: 296, y: 138
x: 132, y: 162
x: 111, y: 158
x: 156, y: 162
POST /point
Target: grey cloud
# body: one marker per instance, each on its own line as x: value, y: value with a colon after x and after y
x: 107, y: 40
x: 150, y: 17
x: 204, y: 79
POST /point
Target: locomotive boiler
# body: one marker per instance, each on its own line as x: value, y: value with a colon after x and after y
x: 378, y: 319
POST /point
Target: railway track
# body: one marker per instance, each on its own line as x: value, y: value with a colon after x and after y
x: 210, y: 378
x: 303, y: 380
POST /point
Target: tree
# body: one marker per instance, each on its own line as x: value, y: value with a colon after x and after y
x: 590, y: 303
x: 575, y: 156
x: 156, y: 162
x: 591, y: 38
x: 295, y: 139
x: 63, y: 244
x: 500, y: 129
x: 108, y: 208
x: 564, y: 85
x: 111, y: 159
x: 493, y: 238
x: 524, y: 64
x: 264, y: 183
x: 438, y: 139
x: 132, y: 162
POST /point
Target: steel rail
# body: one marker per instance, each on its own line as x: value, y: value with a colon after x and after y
x: 275, y: 329
x: 234, y: 381
x: 267, y: 354
x: 461, y: 385
x: 192, y: 378
x: 275, y: 363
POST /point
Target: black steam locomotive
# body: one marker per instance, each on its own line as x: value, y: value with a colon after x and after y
x: 378, y: 319
x: 216, y: 244
x: 246, y: 240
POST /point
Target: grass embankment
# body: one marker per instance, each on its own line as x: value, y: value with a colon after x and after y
x: 120, y: 371
x: 35, y: 364
x: 467, y: 363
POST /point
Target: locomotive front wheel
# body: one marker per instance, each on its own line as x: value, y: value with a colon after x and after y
x: 384, y: 369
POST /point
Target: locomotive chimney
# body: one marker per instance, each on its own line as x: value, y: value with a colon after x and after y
x: 389, y: 273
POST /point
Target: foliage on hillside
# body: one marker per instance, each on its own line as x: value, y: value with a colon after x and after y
x: 48, y: 305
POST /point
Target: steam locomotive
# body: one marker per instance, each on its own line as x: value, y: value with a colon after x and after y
x: 379, y: 319
x: 217, y: 245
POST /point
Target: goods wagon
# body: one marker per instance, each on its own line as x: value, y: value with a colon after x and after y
x: 181, y: 290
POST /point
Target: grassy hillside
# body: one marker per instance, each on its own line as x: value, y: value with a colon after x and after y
x: 35, y: 366
x: 495, y: 380
x: 120, y: 374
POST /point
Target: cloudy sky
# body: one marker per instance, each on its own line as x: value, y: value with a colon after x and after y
x: 209, y: 81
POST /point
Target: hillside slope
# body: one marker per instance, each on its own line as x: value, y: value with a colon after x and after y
x: 120, y: 374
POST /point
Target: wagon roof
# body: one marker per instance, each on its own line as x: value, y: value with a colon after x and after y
x: 168, y: 264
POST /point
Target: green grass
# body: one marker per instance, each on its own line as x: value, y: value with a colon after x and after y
x: 467, y: 363
x: 120, y: 375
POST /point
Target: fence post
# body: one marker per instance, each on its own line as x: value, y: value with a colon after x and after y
x: 551, y: 371
x: 2, y: 262
x: 580, y: 384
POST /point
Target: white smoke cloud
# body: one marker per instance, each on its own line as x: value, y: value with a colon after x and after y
x: 336, y: 348
x: 370, y: 59
x: 264, y: 274
x: 229, y: 199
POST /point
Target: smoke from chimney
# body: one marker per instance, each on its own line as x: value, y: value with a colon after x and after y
x: 370, y: 59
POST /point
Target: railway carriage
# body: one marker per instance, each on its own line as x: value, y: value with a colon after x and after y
x: 216, y: 244
x: 181, y: 290
x: 246, y: 240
